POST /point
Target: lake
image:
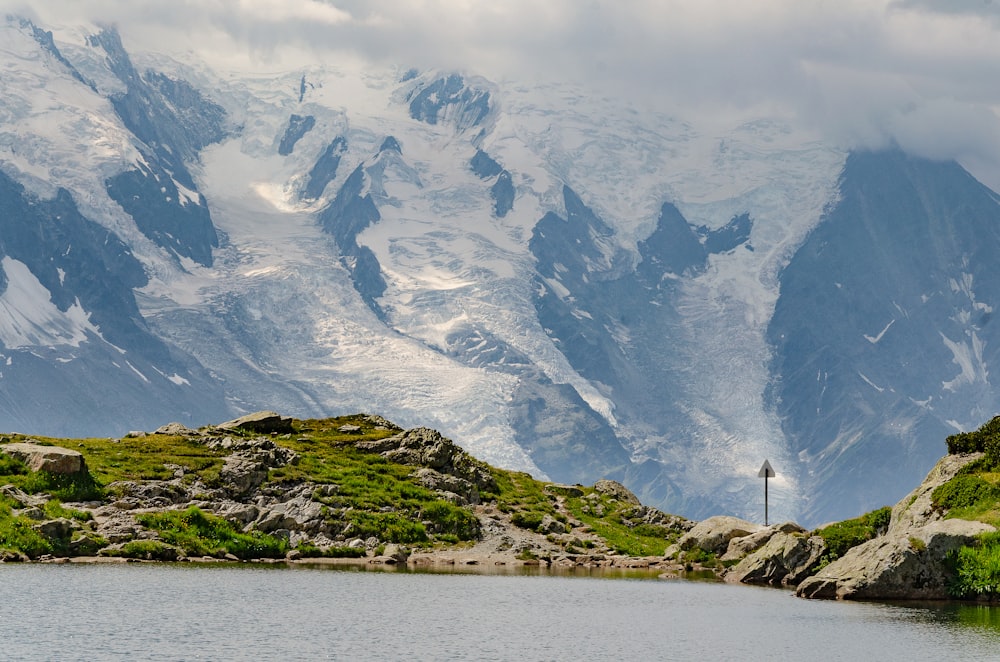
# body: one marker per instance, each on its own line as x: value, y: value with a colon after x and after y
x: 242, y: 612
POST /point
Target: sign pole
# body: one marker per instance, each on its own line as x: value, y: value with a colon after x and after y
x: 765, y: 472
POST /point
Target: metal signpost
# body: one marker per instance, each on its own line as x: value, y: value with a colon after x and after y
x: 765, y: 472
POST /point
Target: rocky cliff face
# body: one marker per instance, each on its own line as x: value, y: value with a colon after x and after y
x: 908, y: 562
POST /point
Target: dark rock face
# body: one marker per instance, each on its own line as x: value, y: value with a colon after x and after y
x: 325, y: 169
x: 882, y: 331
x: 449, y: 98
x: 345, y: 218
x: 673, y: 248
x: 164, y: 212
x: 502, y: 189
x: 175, y: 122
x: 298, y: 126
x: 729, y: 236
x: 82, y: 264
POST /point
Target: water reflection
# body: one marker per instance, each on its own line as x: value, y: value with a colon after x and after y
x: 186, y: 612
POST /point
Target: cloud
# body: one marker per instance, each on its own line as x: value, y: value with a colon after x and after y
x: 863, y: 73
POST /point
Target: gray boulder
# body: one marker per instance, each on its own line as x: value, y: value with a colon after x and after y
x: 300, y: 514
x: 740, y: 547
x: 241, y: 475
x: 261, y: 422
x: 713, y: 534
x: 563, y: 490
x: 176, y: 429
x: 459, y: 487
x: 46, y: 458
x: 784, y: 560
x: 551, y: 525
x: 616, y: 490
x: 55, y: 529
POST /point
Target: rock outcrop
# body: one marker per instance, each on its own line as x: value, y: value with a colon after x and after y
x: 784, y: 560
x: 52, y: 459
x: 908, y: 561
x: 447, y: 468
x: 616, y: 490
x: 261, y: 422
x: 713, y: 535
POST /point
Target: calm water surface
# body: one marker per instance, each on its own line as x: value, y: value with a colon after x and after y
x: 183, y: 612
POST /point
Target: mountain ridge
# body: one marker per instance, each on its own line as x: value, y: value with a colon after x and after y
x: 564, y: 285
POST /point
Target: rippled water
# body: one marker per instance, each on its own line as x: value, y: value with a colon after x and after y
x: 184, y: 612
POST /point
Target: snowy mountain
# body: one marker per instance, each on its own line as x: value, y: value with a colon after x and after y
x: 560, y: 282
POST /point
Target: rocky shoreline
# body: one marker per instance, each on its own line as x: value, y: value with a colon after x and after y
x: 906, y: 561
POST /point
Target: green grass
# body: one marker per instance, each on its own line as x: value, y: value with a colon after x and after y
x: 842, y: 536
x: 202, y: 534
x: 108, y: 461
x: 524, y: 498
x: 620, y: 533
x: 75, y: 487
x: 977, y: 568
x: 54, y: 509
x: 17, y: 534
x: 361, y: 491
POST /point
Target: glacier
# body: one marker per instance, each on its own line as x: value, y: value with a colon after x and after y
x: 563, y: 282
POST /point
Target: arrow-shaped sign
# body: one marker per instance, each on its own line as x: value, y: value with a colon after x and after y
x: 765, y: 472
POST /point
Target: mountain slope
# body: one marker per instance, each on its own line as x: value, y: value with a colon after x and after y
x: 882, y: 332
x: 563, y: 284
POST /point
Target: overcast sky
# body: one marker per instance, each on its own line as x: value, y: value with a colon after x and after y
x: 922, y: 73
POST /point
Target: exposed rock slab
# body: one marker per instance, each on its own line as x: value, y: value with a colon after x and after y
x: 616, y: 490
x: 740, y: 547
x: 176, y: 429
x: 424, y: 447
x: 784, y: 560
x: 713, y: 534
x: 261, y: 422
x: 46, y: 458
x: 906, y: 564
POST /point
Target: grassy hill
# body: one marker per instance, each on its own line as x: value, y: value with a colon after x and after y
x: 316, y: 488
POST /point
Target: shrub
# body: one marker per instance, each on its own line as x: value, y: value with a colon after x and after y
x: 700, y: 556
x: 390, y: 527
x: 963, y: 491
x: 312, y: 551
x: 976, y: 568
x: 10, y: 466
x: 985, y: 439
x: 527, y: 519
x: 16, y: 533
x: 842, y: 536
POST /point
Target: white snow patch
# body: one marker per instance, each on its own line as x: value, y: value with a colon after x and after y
x: 874, y: 339
x: 878, y: 388
x: 969, y: 358
x: 28, y: 318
